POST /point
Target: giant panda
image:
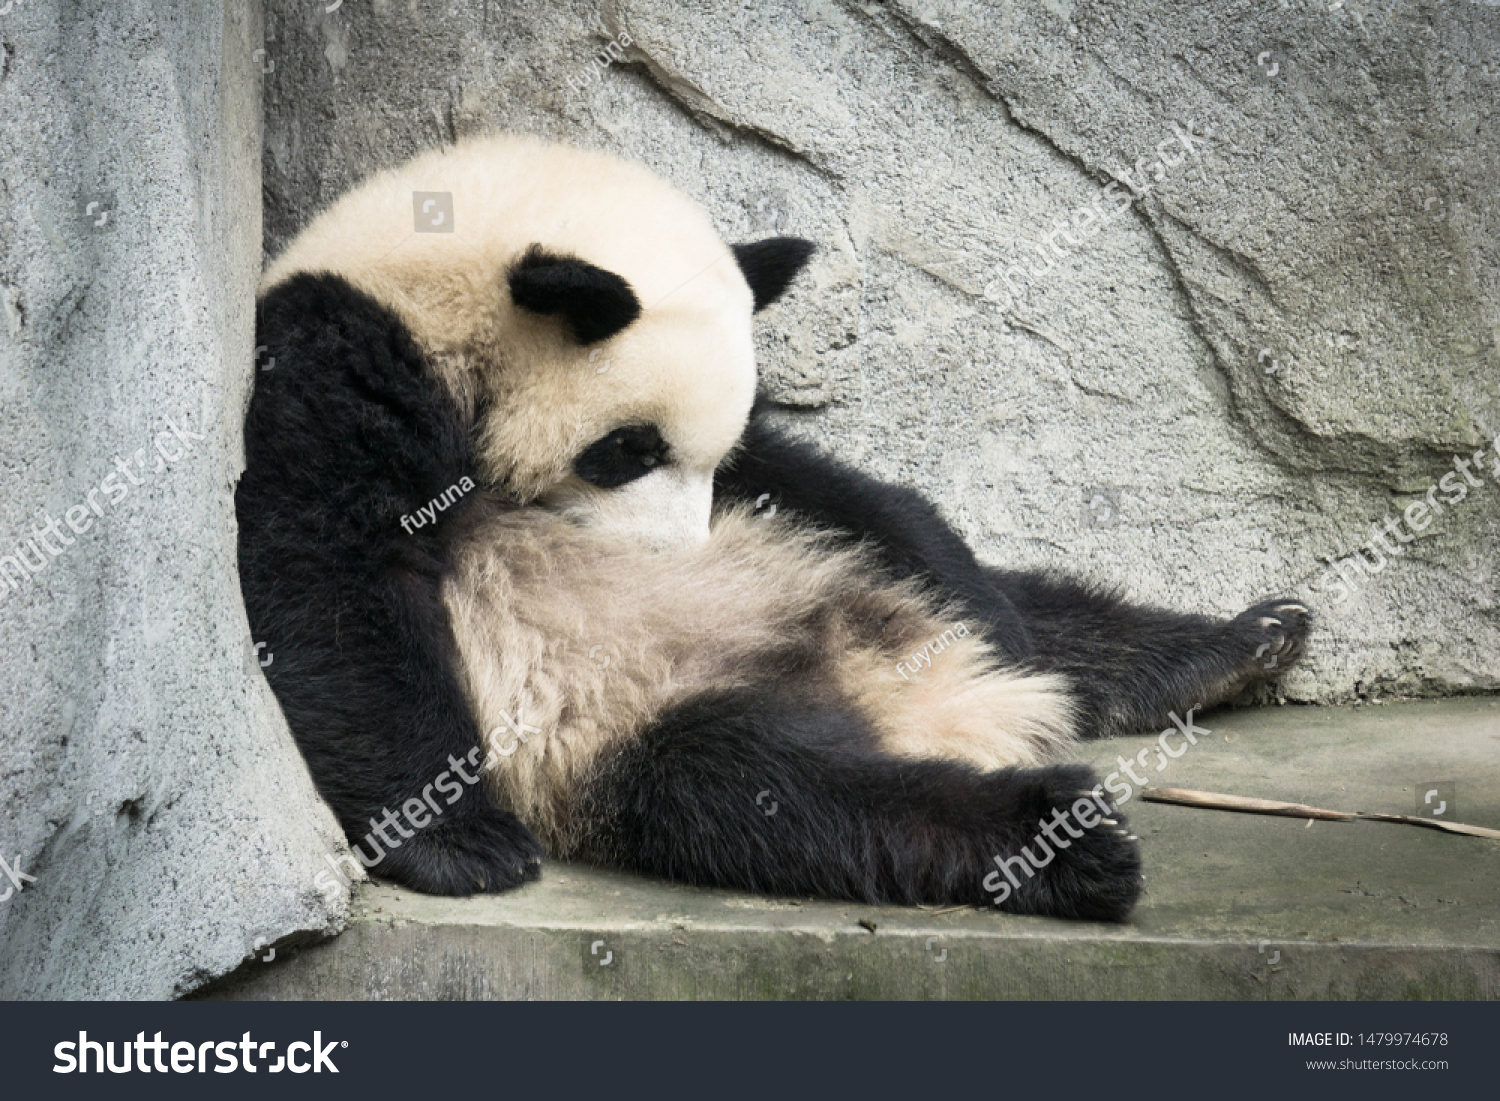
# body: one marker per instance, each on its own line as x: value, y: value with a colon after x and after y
x: 538, y: 574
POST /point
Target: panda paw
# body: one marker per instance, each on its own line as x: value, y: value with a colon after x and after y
x: 487, y: 851
x: 1274, y: 636
x: 1096, y: 877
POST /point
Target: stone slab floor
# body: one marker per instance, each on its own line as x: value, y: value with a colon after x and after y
x: 1237, y: 906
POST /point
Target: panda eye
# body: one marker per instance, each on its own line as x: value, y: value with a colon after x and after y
x: 622, y: 456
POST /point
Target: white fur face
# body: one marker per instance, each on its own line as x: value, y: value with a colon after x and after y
x: 684, y: 369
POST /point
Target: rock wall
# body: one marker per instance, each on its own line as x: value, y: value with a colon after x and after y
x: 1183, y: 297
x: 153, y: 808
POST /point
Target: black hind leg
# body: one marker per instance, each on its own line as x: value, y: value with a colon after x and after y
x: 761, y: 792
x: 1133, y: 666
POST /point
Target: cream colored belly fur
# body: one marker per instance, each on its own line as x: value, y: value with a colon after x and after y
x: 570, y: 646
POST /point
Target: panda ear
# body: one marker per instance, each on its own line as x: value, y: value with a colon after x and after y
x: 769, y: 266
x: 596, y: 304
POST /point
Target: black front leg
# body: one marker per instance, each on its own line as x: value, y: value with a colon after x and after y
x: 347, y: 440
x: 774, y: 469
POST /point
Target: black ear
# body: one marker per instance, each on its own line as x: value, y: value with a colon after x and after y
x: 595, y: 303
x: 769, y: 266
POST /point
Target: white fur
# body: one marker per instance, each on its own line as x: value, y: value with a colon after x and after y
x: 668, y: 509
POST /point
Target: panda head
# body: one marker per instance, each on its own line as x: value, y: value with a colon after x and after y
x: 587, y: 317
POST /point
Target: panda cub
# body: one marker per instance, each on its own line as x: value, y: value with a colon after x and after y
x: 540, y: 578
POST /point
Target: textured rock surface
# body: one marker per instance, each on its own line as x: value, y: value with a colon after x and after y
x: 147, y: 782
x: 1283, y: 340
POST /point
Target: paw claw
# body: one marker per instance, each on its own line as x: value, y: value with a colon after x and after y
x: 1274, y: 632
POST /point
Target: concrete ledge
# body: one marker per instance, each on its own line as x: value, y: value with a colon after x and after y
x: 1358, y: 910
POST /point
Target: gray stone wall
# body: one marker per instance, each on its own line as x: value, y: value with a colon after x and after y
x: 152, y: 803
x: 1203, y: 392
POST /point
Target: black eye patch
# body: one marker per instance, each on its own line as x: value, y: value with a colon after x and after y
x: 622, y: 456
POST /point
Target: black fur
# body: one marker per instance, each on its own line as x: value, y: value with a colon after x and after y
x: 760, y: 791
x: 594, y: 303
x: 769, y: 266
x: 347, y: 433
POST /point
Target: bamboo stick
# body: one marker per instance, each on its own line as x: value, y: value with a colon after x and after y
x: 1217, y: 801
